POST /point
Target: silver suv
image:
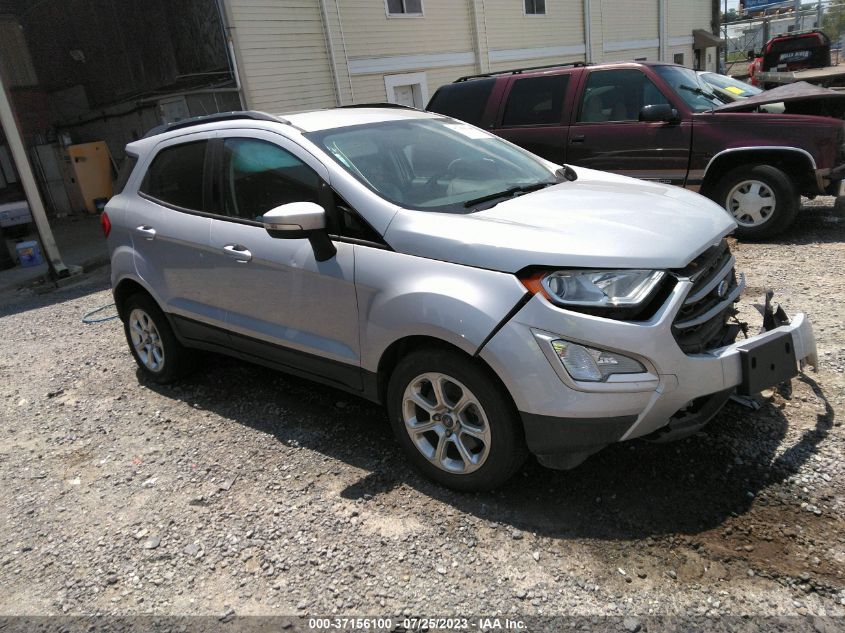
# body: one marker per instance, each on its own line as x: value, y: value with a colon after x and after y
x: 496, y: 303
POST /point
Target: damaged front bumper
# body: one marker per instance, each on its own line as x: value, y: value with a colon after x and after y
x: 565, y: 420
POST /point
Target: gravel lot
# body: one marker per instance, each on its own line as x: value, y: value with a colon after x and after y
x: 246, y: 491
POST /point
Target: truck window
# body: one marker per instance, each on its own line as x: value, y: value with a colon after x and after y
x: 465, y: 100
x: 536, y: 101
x: 617, y: 95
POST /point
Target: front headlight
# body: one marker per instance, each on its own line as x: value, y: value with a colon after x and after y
x: 597, y: 288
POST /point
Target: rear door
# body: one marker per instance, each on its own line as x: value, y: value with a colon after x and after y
x: 170, y: 227
x: 281, y: 304
x: 535, y: 114
x: 608, y: 135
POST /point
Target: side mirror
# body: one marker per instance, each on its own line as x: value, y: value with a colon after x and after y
x: 294, y: 220
x: 298, y: 220
x: 659, y: 113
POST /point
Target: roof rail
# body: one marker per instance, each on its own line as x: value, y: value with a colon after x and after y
x: 382, y: 104
x: 211, y: 118
x: 518, y: 71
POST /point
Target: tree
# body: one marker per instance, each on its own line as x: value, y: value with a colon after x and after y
x: 833, y: 22
x: 730, y: 16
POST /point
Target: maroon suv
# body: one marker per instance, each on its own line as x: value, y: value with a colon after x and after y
x: 659, y: 122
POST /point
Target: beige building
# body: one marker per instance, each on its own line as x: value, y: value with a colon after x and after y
x: 302, y: 54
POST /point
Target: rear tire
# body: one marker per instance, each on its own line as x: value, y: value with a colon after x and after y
x: 761, y: 198
x: 454, y: 420
x: 151, y: 341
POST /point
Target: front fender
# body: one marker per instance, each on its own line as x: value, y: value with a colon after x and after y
x: 404, y: 295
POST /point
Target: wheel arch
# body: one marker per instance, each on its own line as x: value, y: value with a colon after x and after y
x: 124, y: 289
x: 406, y: 345
x: 796, y: 163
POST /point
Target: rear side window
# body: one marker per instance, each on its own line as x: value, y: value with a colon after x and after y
x: 261, y: 176
x: 536, y: 101
x: 126, y: 168
x: 176, y: 175
x: 465, y: 100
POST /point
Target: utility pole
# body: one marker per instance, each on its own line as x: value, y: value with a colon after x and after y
x: 724, y: 68
x: 36, y: 204
x: 797, y: 11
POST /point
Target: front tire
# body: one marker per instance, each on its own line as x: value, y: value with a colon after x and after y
x: 454, y: 421
x: 762, y: 199
x: 154, y: 347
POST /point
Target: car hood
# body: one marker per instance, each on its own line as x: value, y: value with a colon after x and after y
x: 598, y: 221
x: 799, y: 92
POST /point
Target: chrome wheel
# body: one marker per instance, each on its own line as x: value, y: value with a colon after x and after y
x: 146, y: 340
x: 446, y: 423
x: 751, y: 202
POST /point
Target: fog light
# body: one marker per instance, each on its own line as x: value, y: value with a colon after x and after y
x: 593, y: 365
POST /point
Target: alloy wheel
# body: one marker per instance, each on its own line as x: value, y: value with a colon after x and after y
x: 146, y: 340
x: 446, y: 423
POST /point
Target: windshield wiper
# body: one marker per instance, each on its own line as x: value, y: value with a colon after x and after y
x: 508, y: 193
x: 699, y: 91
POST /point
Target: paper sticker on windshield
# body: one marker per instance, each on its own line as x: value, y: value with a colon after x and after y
x: 468, y: 130
x: 735, y: 90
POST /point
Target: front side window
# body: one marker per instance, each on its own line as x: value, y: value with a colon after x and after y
x: 617, y: 95
x: 536, y: 101
x: 259, y: 176
x: 432, y: 164
x: 404, y: 7
x: 176, y: 176
x: 535, y: 7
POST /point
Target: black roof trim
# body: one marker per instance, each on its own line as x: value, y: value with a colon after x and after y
x: 518, y: 71
x: 383, y: 104
x: 211, y: 118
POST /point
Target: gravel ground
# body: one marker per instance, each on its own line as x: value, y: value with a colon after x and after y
x: 244, y: 491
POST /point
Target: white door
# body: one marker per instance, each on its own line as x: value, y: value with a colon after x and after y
x: 405, y: 95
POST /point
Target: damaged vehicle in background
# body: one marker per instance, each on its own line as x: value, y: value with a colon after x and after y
x: 795, y: 98
x: 659, y: 122
x: 495, y: 303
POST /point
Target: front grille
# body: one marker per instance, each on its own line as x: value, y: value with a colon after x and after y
x: 702, y: 322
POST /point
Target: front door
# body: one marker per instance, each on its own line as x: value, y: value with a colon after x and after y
x: 282, y: 304
x: 609, y: 136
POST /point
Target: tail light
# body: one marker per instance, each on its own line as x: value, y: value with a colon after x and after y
x: 105, y: 223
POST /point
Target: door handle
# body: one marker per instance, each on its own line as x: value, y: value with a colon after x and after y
x: 578, y: 138
x: 237, y: 252
x: 148, y: 232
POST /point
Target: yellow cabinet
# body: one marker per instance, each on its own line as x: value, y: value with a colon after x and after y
x: 91, y: 165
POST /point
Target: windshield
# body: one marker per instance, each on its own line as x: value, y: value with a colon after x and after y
x: 434, y: 164
x: 695, y: 93
x: 739, y: 89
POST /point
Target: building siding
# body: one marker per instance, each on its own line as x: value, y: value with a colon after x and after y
x: 303, y: 54
x: 281, y: 54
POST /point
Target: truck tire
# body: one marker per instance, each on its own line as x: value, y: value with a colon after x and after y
x: 761, y: 198
x: 454, y: 421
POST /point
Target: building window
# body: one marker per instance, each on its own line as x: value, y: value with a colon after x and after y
x: 679, y: 58
x: 404, y: 7
x: 535, y: 7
